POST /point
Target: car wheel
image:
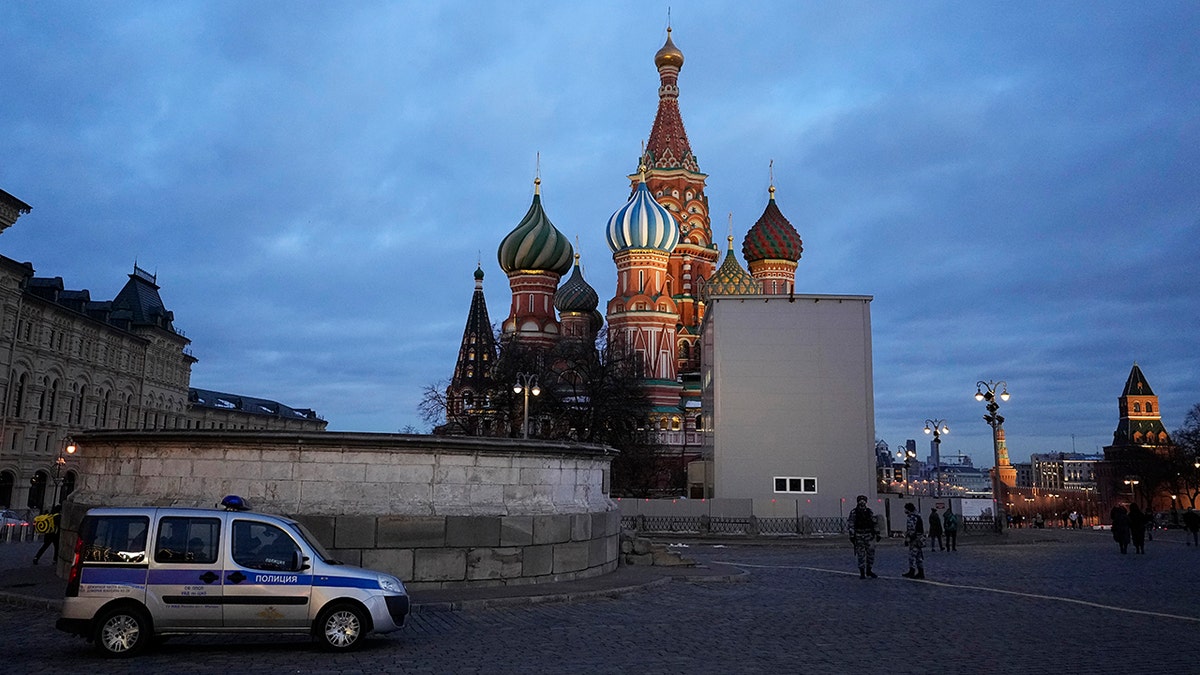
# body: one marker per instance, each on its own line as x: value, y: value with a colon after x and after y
x: 342, y: 627
x: 123, y: 632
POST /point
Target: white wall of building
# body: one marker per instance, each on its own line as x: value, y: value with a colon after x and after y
x: 788, y: 391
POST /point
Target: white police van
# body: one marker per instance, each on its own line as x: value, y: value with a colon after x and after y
x: 139, y: 573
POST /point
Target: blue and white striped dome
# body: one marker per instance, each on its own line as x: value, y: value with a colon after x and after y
x: 642, y: 223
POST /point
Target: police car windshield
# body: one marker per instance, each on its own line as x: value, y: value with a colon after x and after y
x: 309, y: 537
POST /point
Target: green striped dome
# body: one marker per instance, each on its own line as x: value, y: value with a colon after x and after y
x: 535, y: 244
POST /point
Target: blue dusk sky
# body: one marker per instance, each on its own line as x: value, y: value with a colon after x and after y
x: 1016, y: 184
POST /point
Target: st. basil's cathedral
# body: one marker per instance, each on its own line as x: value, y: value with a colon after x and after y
x: 666, y: 260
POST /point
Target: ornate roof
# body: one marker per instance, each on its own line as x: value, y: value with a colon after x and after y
x: 535, y: 244
x: 576, y: 295
x: 772, y: 237
x: 668, y: 147
x: 1137, y: 385
x: 642, y: 223
x: 730, y: 278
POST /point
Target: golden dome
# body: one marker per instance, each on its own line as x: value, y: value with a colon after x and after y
x: 669, y: 55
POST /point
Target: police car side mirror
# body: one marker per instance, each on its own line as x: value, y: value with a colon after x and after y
x: 304, y: 563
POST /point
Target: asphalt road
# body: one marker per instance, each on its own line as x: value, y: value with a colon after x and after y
x: 1067, y: 603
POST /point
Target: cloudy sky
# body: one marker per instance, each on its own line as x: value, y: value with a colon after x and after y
x: 1016, y: 184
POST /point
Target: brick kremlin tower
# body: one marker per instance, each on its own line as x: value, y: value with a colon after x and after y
x: 534, y: 255
x: 1140, y: 423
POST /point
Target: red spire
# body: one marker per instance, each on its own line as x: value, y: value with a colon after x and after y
x: 668, y: 147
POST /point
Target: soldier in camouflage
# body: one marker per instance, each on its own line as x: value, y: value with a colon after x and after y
x: 914, y: 537
x: 863, y: 536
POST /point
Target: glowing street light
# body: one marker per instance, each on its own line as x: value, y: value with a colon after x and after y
x: 937, y: 428
x: 59, y: 463
x: 527, y: 384
x: 986, y: 391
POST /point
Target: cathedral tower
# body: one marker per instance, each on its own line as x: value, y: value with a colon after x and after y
x: 673, y: 177
x: 534, y: 255
x: 772, y: 249
x: 642, y: 317
x: 468, y: 397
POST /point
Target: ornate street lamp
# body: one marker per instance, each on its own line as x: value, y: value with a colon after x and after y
x: 986, y: 391
x: 527, y: 384
x: 59, y: 463
x: 937, y: 428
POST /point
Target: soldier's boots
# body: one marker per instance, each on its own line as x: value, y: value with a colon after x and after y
x: 920, y: 573
x: 862, y: 573
x: 911, y: 573
x: 871, y: 573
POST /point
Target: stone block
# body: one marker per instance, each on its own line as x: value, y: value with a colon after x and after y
x: 320, y: 526
x: 411, y: 532
x: 472, y: 531
x: 600, y: 525
x: 570, y: 557
x: 354, y: 532
x: 350, y: 556
x: 551, y: 529
x: 598, y: 551
x: 581, y: 526
x: 439, y: 564
x: 639, y: 559
x: 537, y: 561
x: 395, y: 561
x: 493, y: 563
x: 516, y: 531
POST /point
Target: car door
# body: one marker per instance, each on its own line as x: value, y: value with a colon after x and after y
x: 265, y: 585
x: 184, y: 588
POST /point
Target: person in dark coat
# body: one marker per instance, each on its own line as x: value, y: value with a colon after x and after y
x: 1191, y: 521
x: 1120, y: 527
x: 1137, y: 528
x: 935, y: 530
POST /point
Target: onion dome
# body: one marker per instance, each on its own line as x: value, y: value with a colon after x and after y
x: 669, y: 55
x: 642, y: 223
x: 576, y: 295
x: 731, y: 279
x: 535, y: 245
x: 478, y: 273
x: 772, y: 237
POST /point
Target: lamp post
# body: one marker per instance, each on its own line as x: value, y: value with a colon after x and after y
x: 986, y: 391
x: 1132, y: 482
x: 937, y: 428
x: 908, y: 455
x: 59, y: 463
x: 527, y: 384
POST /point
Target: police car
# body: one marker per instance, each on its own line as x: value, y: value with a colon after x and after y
x: 139, y: 573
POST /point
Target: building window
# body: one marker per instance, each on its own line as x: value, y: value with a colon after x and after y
x: 790, y: 484
x: 1149, y: 407
x: 1137, y: 407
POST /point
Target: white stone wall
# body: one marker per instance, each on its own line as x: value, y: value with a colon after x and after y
x: 435, y: 511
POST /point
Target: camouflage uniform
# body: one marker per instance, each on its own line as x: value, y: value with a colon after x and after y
x: 863, y: 536
x: 915, y: 538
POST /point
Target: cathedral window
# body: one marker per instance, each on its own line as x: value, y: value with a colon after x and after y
x: 1149, y: 407
x: 1137, y: 407
x: 676, y: 424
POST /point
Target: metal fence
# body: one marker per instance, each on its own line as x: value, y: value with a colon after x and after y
x: 753, y: 526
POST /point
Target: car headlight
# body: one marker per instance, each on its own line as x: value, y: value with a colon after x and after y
x: 390, y: 584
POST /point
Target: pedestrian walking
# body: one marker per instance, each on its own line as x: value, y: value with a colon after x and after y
x: 935, y: 530
x: 863, y: 535
x: 914, y: 537
x: 1137, y: 528
x: 49, y: 529
x: 1073, y: 520
x: 950, y: 526
x: 1191, y: 521
x: 1120, y: 527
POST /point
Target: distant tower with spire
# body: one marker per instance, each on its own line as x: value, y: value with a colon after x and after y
x: 1140, y: 422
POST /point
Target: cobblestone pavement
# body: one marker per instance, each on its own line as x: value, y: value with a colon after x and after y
x: 1074, y: 605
